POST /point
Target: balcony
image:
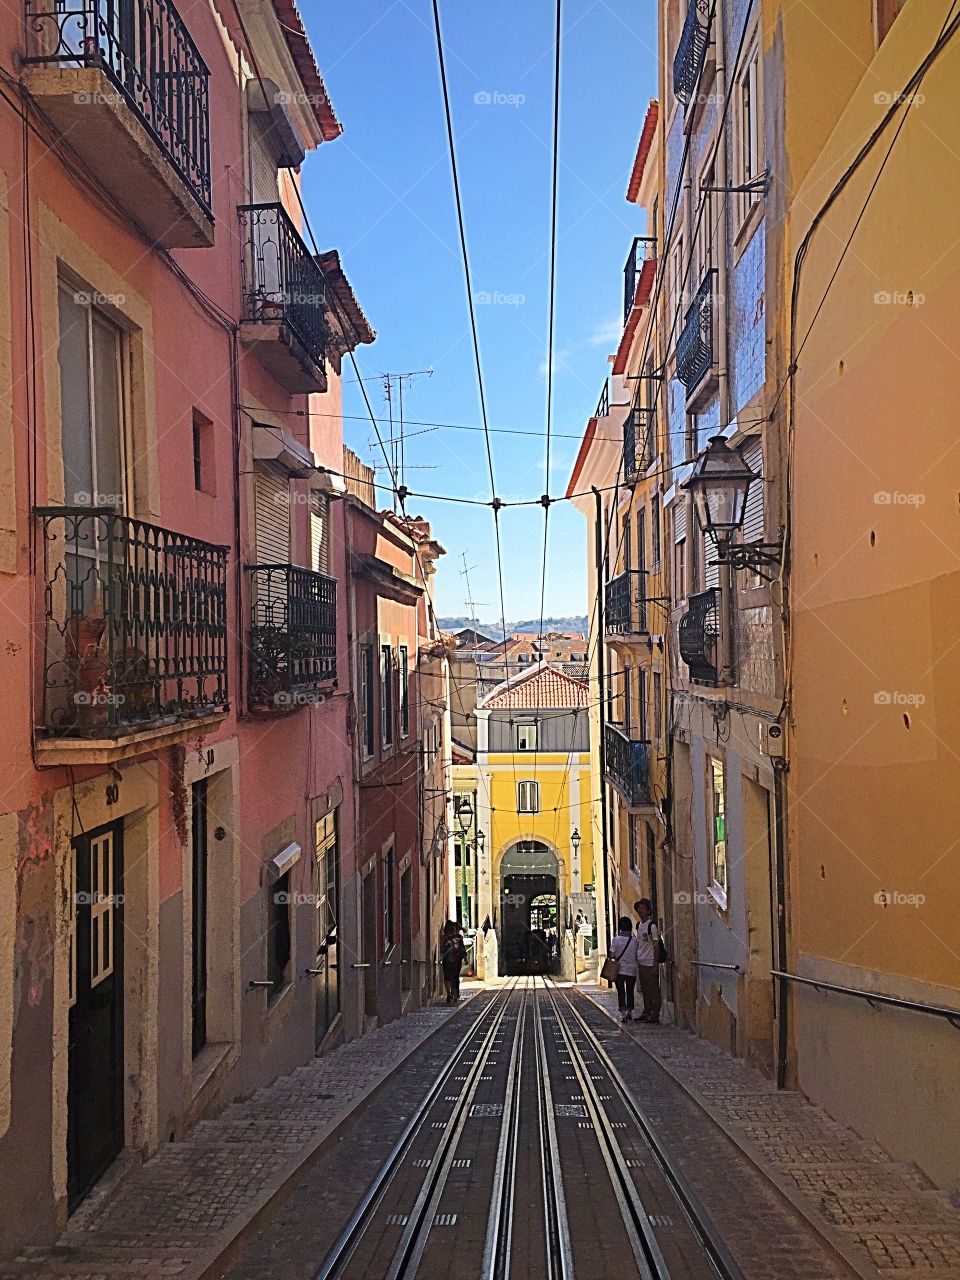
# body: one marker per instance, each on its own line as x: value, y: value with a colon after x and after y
x: 284, y: 309
x: 625, y: 605
x: 627, y: 766
x: 699, y: 634
x: 691, y: 52
x: 293, y: 636
x: 125, y: 83
x: 643, y: 249
x: 638, y: 442
x: 134, y: 634
x: 695, y: 343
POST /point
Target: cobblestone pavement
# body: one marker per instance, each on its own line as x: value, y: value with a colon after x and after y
x: 890, y: 1212
x: 172, y: 1215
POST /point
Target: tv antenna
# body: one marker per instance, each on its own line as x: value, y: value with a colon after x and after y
x: 395, y: 441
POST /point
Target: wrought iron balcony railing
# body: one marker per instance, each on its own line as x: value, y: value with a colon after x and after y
x: 627, y: 766
x: 642, y: 249
x: 281, y: 279
x: 134, y: 625
x: 625, y: 604
x: 691, y: 50
x: 695, y: 343
x: 638, y: 441
x: 293, y: 635
x: 603, y: 404
x: 144, y: 48
x: 699, y: 634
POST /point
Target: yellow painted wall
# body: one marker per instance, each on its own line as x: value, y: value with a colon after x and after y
x: 553, y: 828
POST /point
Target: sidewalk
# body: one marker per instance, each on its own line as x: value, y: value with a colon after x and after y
x: 175, y: 1215
x: 849, y: 1190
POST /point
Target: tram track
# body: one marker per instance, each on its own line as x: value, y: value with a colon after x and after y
x: 481, y: 1178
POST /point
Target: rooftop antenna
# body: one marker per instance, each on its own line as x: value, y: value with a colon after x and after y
x: 470, y: 602
x: 396, y: 443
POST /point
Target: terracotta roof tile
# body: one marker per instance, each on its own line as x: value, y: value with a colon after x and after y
x: 541, y: 687
x: 643, y: 150
x: 300, y: 48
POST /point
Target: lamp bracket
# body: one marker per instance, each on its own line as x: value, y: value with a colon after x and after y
x: 757, y: 186
x: 752, y: 556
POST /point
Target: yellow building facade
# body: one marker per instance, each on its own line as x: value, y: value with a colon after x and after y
x: 534, y: 802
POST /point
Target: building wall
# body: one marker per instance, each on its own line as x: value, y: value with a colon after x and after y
x: 874, y: 588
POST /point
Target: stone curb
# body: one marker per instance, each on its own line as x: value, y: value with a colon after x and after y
x: 851, y: 1255
x: 213, y: 1262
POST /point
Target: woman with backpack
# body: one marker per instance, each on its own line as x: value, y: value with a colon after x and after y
x: 452, y: 955
x: 623, y: 950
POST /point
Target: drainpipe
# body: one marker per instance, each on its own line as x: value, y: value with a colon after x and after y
x: 728, y: 594
x: 779, y: 819
x: 602, y: 700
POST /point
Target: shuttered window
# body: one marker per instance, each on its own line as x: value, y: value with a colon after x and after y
x: 528, y: 797
x: 680, y: 549
x: 753, y: 519
x: 263, y: 167
x: 319, y: 533
x: 711, y: 569
x: 272, y: 514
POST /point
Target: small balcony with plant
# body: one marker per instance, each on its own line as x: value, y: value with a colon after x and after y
x: 124, y: 82
x: 133, y: 633
x: 625, y: 606
x: 284, y: 317
x: 293, y: 637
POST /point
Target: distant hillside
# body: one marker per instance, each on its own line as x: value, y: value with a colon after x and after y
x: 493, y: 629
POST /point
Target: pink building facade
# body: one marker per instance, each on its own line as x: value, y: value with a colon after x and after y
x: 178, y: 762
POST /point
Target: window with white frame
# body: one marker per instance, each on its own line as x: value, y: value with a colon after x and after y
x: 746, y: 141
x: 403, y: 680
x: 634, y: 843
x: 717, y: 834
x: 527, y: 736
x: 366, y: 698
x: 386, y: 695
x: 528, y: 797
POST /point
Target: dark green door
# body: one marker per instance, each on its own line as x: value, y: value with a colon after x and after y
x: 95, y: 1060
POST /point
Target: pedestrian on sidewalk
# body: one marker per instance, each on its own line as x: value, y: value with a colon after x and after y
x: 452, y: 955
x: 648, y: 961
x: 623, y: 949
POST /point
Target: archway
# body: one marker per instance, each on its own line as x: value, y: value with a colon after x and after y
x: 529, y: 908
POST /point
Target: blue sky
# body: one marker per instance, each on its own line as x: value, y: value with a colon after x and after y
x: 382, y: 194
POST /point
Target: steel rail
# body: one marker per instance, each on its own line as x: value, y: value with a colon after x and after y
x: 346, y: 1243
x: 707, y: 1235
x: 497, y: 1245
x: 651, y: 1264
x: 413, y: 1242
x: 559, y: 1251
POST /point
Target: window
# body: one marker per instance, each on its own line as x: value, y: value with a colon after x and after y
x: 278, y: 934
x: 633, y: 843
x: 746, y: 149
x: 655, y: 530
x: 319, y: 532
x: 677, y: 269
x: 386, y: 695
x: 642, y: 539
x: 680, y: 568
x: 641, y: 704
x: 91, y: 400
x: 627, y: 707
x: 527, y: 737
x: 627, y: 530
x: 404, y: 682
x: 703, y: 245
x: 652, y: 877
x: 528, y: 797
x: 657, y: 705
x: 754, y: 520
x: 271, y: 497
x: 204, y: 471
x: 388, y: 899
x: 717, y: 835
x: 199, y: 914
x: 366, y: 698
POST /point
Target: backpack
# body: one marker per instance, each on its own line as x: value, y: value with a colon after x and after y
x: 660, y: 955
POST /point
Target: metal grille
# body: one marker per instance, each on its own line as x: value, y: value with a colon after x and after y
x: 135, y: 624
x: 691, y: 50
x: 293, y: 634
x: 642, y: 249
x: 146, y: 51
x: 628, y: 766
x: 695, y: 343
x: 281, y: 280
x: 638, y: 437
x: 625, y: 605
x: 698, y: 633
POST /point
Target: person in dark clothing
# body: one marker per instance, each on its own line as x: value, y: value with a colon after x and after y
x: 452, y: 955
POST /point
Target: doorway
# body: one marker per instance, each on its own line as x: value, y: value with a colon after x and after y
x: 95, y: 1128
x: 406, y: 931
x: 328, y: 913
x: 530, y: 908
x: 369, y: 940
x: 198, y: 991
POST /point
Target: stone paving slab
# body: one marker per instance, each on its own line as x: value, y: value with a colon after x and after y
x: 171, y: 1217
x: 846, y: 1187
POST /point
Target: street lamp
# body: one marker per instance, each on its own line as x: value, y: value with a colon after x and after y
x: 465, y: 822
x: 719, y: 483
x: 575, y: 839
x: 465, y: 814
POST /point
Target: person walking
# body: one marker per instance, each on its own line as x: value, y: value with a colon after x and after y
x: 452, y: 953
x: 623, y: 949
x: 648, y: 961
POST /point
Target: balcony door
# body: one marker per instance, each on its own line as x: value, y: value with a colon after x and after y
x: 95, y: 1045
x: 327, y: 904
